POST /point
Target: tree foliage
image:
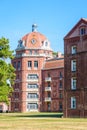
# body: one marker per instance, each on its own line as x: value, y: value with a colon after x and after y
x: 7, y: 74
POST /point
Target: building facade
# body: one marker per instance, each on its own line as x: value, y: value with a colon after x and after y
x: 53, y: 85
x: 31, y: 53
x: 75, y: 71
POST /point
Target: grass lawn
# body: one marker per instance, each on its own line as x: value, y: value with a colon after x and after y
x: 40, y: 121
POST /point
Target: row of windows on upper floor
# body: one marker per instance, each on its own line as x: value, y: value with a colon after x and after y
x: 35, y: 76
x: 60, y: 94
x: 30, y: 86
x: 29, y: 95
x: 17, y: 65
x: 60, y: 84
x: 35, y: 95
x: 60, y: 74
x: 35, y: 86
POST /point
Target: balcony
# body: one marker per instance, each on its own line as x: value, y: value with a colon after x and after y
x: 48, y: 79
x: 32, y: 99
x: 47, y: 88
x: 60, y: 78
x: 32, y: 89
x: 47, y: 99
x: 32, y: 80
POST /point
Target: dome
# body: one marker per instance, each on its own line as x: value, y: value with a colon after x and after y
x: 35, y: 40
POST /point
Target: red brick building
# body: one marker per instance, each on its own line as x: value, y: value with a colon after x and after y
x: 53, y: 85
x: 75, y: 71
x: 31, y: 54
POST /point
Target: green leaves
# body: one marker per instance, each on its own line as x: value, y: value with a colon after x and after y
x: 6, y: 71
x: 5, y: 48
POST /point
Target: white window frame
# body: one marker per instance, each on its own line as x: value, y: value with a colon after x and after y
x: 32, y: 96
x: 73, y: 103
x: 29, y: 64
x: 32, y: 76
x: 74, y: 49
x: 73, y: 83
x: 32, y: 106
x: 82, y: 31
x: 35, y: 64
x: 73, y: 65
x: 32, y: 86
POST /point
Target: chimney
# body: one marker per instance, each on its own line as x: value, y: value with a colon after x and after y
x: 59, y: 54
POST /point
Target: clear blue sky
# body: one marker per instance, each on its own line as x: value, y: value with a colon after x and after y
x: 53, y: 17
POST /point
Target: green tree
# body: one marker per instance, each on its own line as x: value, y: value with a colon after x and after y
x: 7, y: 75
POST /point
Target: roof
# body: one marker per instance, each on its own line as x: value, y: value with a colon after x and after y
x: 36, y: 35
x: 54, y: 63
x: 34, y: 40
x: 84, y: 20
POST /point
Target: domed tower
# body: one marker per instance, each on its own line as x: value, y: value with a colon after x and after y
x: 32, y: 51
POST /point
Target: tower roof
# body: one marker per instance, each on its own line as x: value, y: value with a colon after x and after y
x: 35, y: 40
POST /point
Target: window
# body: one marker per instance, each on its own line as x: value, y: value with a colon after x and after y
x: 73, y: 65
x: 16, y: 95
x: 30, y: 52
x: 32, y: 86
x: 73, y: 83
x: 19, y: 65
x: 60, y: 106
x: 49, y: 106
x: 60, y: 84
x: 16, y: 85
x: 46, y: 43
x: 29, y: 64
x: 35, y: 52
x: 48, y: 84
x: 14, y: 64
x: 74, y: 49
x: 48, y: 75
x: 31, y: 106
x: 60, y: 75
x: 82, y: 31
x: 60, y: 95
x: 73, y: 103
x: 36, y: 64
x: 16, y: 105
x: 32, y: 95
x: 49, y: 94
x: 32, y: 76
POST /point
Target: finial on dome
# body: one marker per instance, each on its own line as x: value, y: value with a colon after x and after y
x: 34, y: 28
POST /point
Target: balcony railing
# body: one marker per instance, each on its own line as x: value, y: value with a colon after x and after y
x: 32, y: 99
x: 32, y: 80
x: 32, y: 89
x: 47, y: 99
x: 47, y: 88
x: 48, y: 79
